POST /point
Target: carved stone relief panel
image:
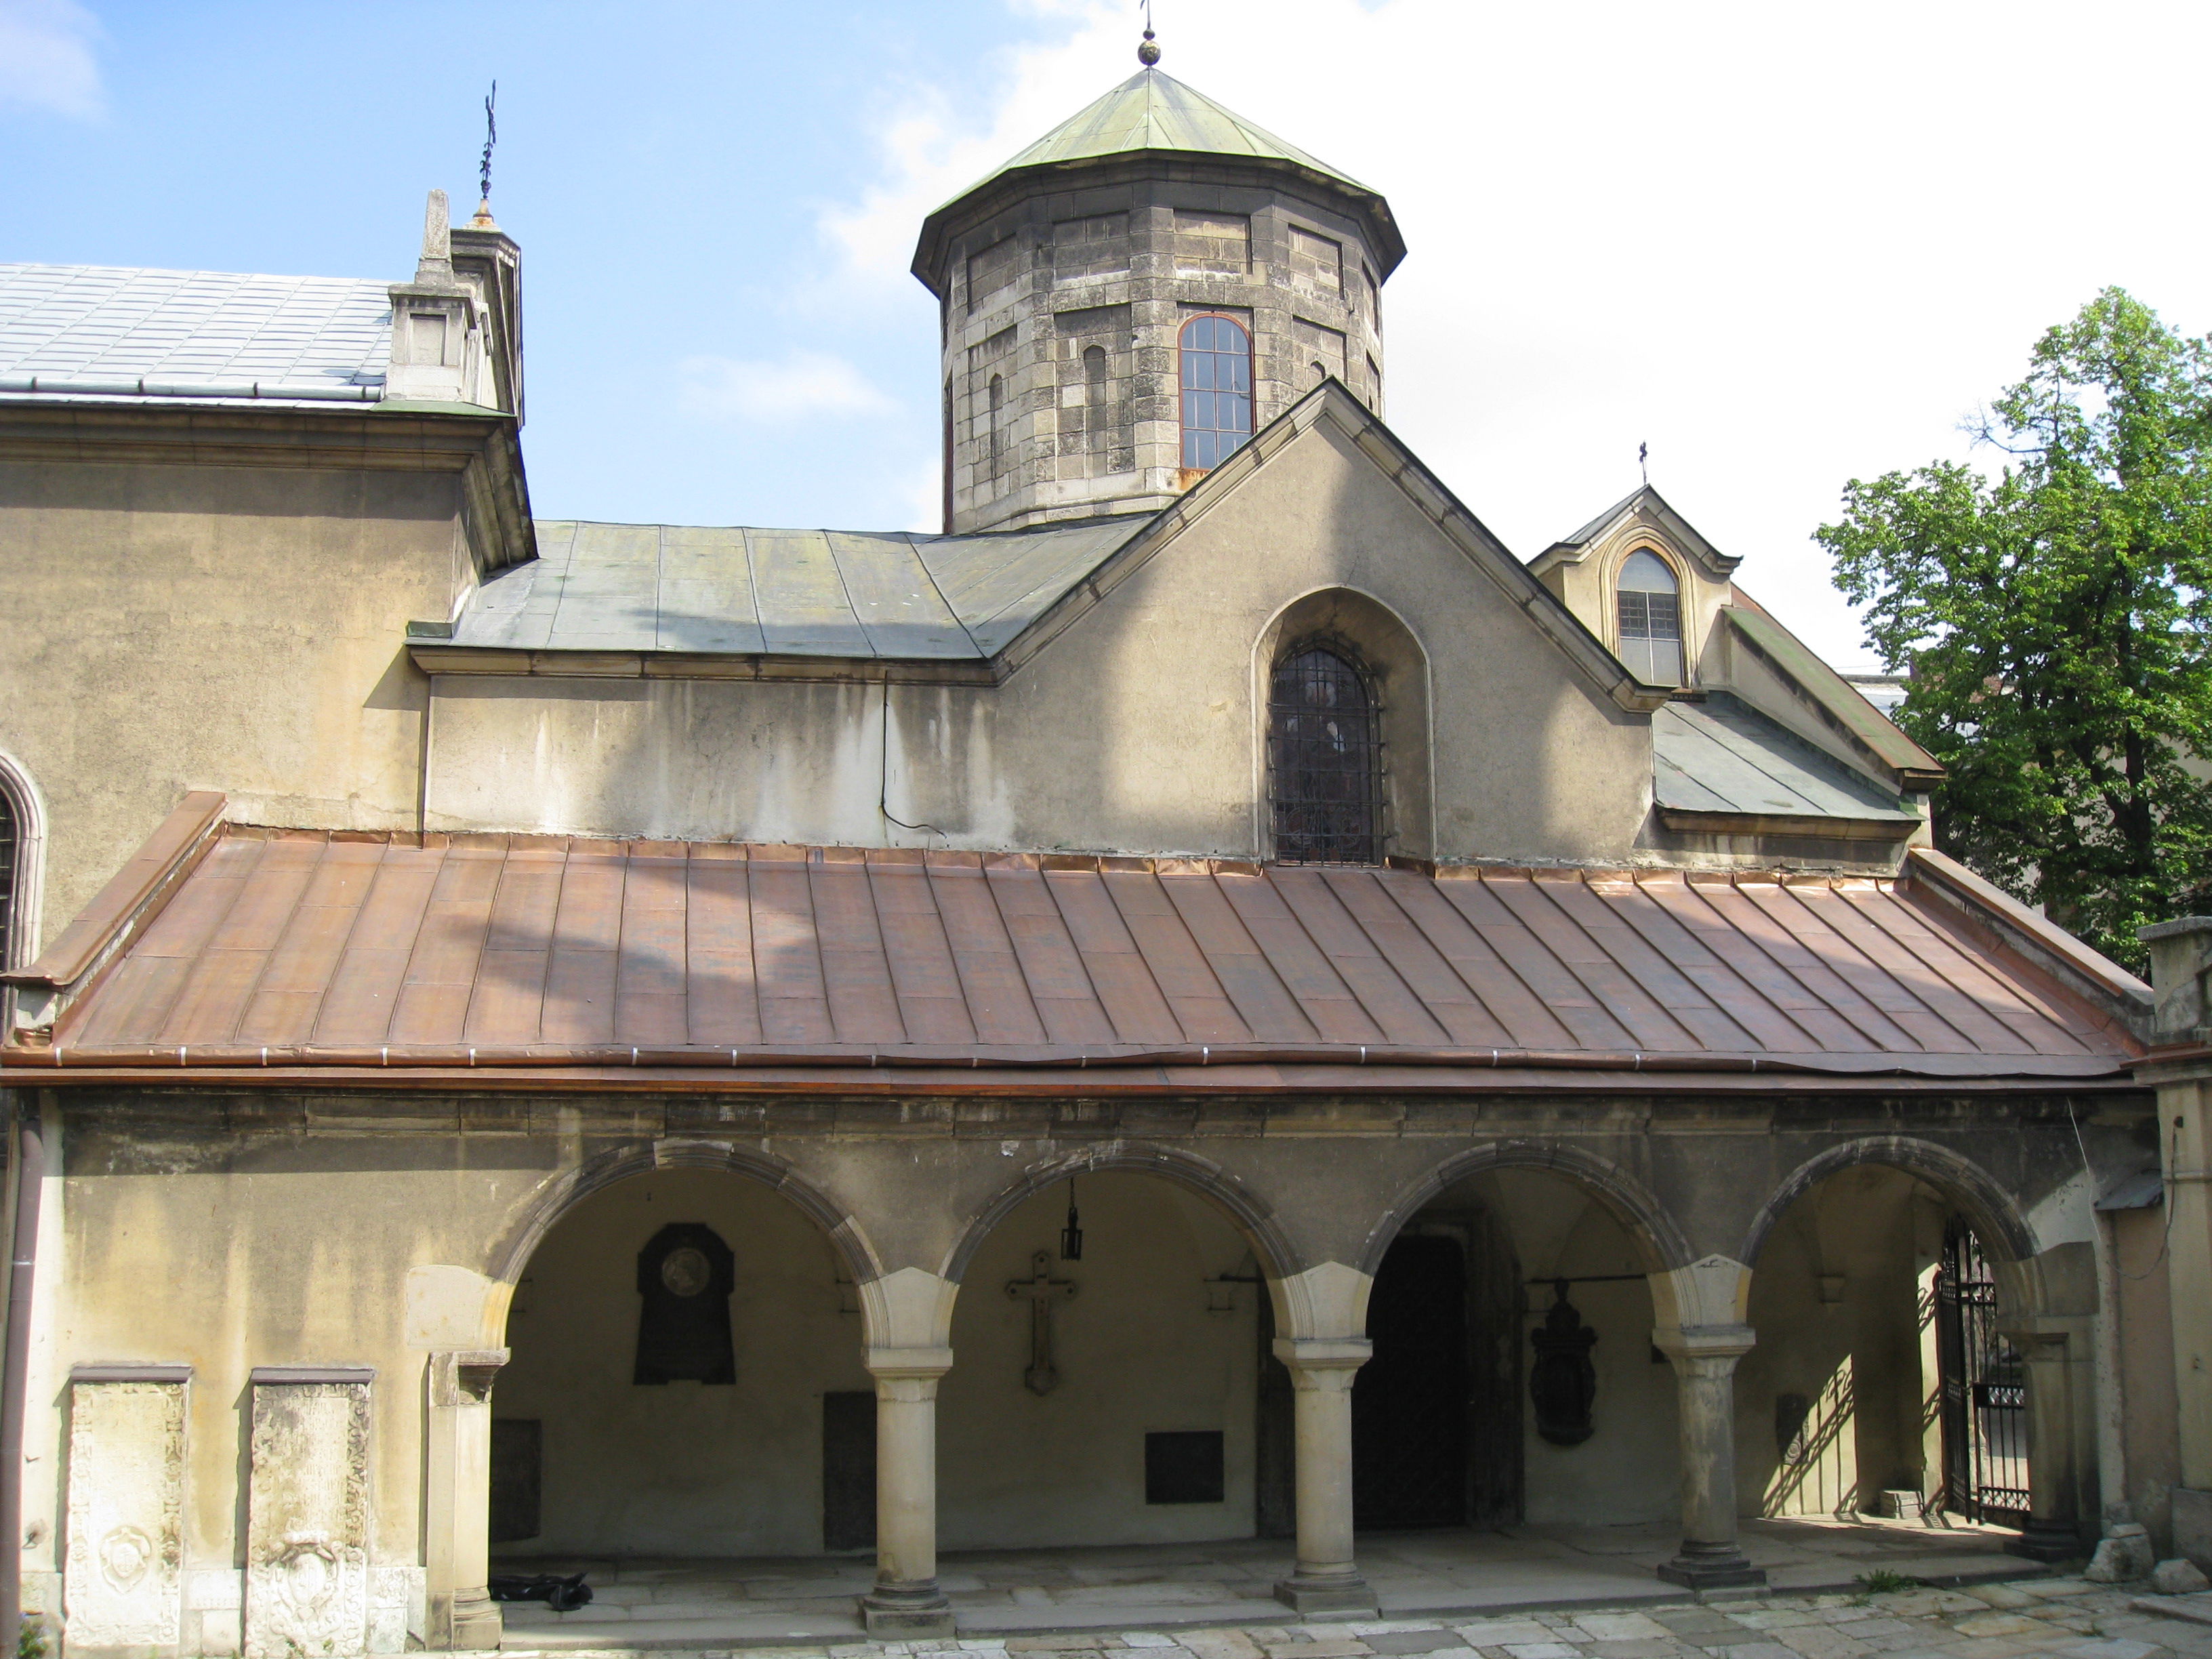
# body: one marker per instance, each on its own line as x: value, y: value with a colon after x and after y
x: 124, y: 1572
x: 307, y: 1517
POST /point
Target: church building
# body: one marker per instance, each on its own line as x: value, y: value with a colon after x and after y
x: 1205, y: 1000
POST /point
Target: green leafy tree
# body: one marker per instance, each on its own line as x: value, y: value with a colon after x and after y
x: 2056, y: 620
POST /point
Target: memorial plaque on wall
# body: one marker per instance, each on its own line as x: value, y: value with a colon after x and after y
x: 685, y: 1276
x: 1184, y: 1468
x: 307, y: 1526
x: 849, y: 1471
x: 518, y: 1465
x: 124, y: 1566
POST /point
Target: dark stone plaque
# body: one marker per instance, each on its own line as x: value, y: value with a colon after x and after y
x: 685, y: 1276
x: 518, y: 1466
x: 1563, y: 1383
x: 849, y: 1471
x: 1183, y: 1468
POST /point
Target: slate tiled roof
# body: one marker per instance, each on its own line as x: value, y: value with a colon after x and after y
x: 800, y: 593
x: 109, y: 331
x: 1724, y: 756
x: 294, y: 948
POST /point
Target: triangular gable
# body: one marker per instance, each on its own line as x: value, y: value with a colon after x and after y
x: 1642, y: 508
x: 1331, y: 403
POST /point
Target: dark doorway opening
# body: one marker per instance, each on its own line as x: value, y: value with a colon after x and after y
x: 1984, y: 1389
x: 1409, y: 1403
x: 849, y: 1471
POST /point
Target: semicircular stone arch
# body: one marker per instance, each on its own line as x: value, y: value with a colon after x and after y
x: 558, y: 1197
x: 1628, y: 1201
x: 1252, y: 1214
x: 1991, y: 1210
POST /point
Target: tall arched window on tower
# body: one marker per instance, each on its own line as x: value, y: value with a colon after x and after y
x: 1216, y: 390
x: 1650, y: 612
x: 1324, y: 758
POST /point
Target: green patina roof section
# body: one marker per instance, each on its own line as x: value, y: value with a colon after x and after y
x: 1153, y: 110
x: 1835, y: 693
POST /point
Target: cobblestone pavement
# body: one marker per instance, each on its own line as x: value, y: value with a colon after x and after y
x: 2065, y: 1618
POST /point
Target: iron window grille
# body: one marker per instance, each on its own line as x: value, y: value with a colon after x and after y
x: 10, y: 837
x: 1324, y: 759
x: 1216, y: 390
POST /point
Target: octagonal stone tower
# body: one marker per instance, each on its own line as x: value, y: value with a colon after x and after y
x: 1130, y: 297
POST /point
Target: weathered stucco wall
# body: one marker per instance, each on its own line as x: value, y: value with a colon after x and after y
x: 175, y: 628
x: 1138, y: 729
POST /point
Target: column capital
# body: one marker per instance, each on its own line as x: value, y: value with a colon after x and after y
x: 893, y: 1364
x: 1728, y: 1342
x: 1305, y: 1353
x: 463, y: 1377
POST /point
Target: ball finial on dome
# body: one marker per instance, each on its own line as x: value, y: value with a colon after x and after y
x: 1148, y: 54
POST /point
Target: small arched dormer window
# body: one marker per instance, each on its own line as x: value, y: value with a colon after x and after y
x: 1216, y: 390
x: 11, y: 858
x: 1650, y: 612
x: 1324, y: 759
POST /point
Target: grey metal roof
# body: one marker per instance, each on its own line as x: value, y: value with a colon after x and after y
x: 1724, y: 756
x: 111, y: 331
x: 790, y: 593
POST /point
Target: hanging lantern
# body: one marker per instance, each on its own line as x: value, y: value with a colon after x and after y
x: 1071, y: 1235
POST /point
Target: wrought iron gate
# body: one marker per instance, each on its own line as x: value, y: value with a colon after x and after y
x: 1984, y: 1389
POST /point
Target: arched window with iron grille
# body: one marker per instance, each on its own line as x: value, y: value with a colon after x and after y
x: 1216, y: 390
x: 1324, y: 759
x: 11, y: 858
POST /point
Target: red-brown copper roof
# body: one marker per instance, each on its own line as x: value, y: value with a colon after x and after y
x: 290, y: 948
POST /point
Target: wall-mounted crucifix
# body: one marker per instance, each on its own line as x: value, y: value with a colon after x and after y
x: 1042, y: 1290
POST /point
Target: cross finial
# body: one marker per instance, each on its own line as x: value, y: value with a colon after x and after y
x: 484, y: 167
x: 1148, y: 52
x: 1643, y: 463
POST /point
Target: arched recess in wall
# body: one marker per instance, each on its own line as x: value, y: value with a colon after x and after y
x: 1367, y: 630
x: 557, y: 1197
x: 1986, y: 1204
x: 22, y: 862
x: 1658, y: 1239
x: 1251, y: 1214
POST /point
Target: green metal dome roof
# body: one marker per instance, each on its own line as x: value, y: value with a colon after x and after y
x: 1152, y: 111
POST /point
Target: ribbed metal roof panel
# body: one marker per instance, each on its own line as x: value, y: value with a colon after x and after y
x: 299, y: 947
x: 99, y: 330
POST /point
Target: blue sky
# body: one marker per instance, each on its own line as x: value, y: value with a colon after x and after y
x: 1783, y: 244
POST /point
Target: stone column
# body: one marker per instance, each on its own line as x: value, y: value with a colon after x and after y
x: 457, y: 1493
x: 2180, y: 1064
x: 2053, y: 1528
x: 906, y: 1601
x: 1327, y: 1578
x: 1701, y: 1326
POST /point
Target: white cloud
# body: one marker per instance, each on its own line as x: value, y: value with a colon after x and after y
x: 1785, y: 246
x: 47, y: 61
x: 802, y: 386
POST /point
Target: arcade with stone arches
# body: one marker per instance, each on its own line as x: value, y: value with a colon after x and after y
x: 1127, y: 1344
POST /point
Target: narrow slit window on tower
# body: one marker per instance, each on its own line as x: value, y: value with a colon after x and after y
x: 1324, y: 759
x: 993, y: 449
x: 1216, y: 390
x: 1097, y: 432
x: 1650, y: 611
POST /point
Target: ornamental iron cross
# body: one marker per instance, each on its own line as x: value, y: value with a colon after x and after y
x: 1042, y: 1290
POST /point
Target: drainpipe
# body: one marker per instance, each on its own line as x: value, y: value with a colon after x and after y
x: 30, y: 1177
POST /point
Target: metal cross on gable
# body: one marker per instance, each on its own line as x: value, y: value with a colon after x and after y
x: 1042, y: 1290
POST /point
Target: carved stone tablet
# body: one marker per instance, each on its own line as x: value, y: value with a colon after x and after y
x: 307, y: 1535
x: 123, y: 1577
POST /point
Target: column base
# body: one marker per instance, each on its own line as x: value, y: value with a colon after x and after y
x: 2046, y: 1540
x: 1703, y: 1567
x: 902, y: 1612
x: 1335, y: 1592
x: 469, y: 1621
x: 2192, y: 1525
